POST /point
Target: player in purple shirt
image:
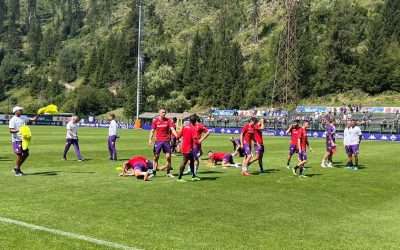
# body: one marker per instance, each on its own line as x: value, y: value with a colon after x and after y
x: 330, y: 145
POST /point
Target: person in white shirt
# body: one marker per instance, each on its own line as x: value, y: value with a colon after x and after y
x: 72, y: 138
x: 112, y: 137
x: 351, y: 140
x: 15, y: 123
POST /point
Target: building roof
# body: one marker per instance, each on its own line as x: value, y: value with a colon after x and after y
x: 151, y: 115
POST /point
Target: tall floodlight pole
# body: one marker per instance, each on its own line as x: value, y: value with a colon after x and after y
x: 286, y: 70
x: 139, y: 68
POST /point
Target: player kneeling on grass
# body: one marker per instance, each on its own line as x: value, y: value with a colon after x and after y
x: 302, y: 144
x: 226, y: 159
x: 138, y: 166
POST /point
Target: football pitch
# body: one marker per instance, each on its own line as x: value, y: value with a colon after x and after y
x: 79, y: 202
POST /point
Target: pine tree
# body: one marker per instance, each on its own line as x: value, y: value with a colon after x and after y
x: 3, y: 14
x: 34, y: 40
x: 13, y: 40
x: 92, y: 14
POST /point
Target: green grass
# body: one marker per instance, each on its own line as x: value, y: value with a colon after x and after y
x: 333, y: 209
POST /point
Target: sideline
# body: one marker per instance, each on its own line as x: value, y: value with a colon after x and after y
x: 66, y: 234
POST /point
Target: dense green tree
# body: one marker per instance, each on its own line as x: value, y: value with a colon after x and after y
x: 69, y: 63
x: 11, y: 72
x: 3, y: 15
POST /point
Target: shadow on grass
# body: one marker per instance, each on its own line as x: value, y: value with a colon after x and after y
x: 344, y: 166
x: 75, y: 172
x: 211, y: 172
x: 267, y: 171
x: 47, y: 173
x: 312, y: 175
x: 209, y: 178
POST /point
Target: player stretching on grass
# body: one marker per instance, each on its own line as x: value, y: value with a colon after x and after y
x: 327, y: 161
x: 72, y: 138
x: 303, y: 144
x: 188, y: 135
x: 247, y: 138
x: 162, y: 127
x: 15, y: 123
x: 138, y: 166
x: 293, y: 131
x: 351, y: 141
x: 226, y: 159
x: 112, y: 137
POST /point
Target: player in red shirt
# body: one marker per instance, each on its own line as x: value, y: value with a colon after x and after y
x: 293, y: 131
x: 138, y: 166
x: 247, y: 138
x: 188, y: 135
x: 162, y: 127
x: 201, y: 134
x: 259, y: 145
x: 220, y: 157
x: 302, y: 145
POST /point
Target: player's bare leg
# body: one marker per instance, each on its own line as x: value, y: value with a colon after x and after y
x: 245, y: 165
x: 325, y: 160
x: 156, y: 158
x: 169, y: 165
x: 288, y: 160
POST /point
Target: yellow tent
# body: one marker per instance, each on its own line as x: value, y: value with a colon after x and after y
x: 49, y: 109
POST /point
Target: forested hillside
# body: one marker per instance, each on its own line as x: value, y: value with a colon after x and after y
x: 81, y: 54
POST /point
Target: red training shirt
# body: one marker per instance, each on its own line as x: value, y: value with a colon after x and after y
x: 258, y: 136
x: 303, y: 139
x: 188, y: 134
x: 137, y: 160
x: 294, y: 136
x: 162, y: 128
x: 217, y: 156
x: 199, y: 130
x: 248, y: 133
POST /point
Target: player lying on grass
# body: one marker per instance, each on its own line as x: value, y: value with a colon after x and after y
x: 138, y: 166
x: 302, y: 145
x: 225, y: 159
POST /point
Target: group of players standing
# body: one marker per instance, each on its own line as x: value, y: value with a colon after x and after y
x: 165, y: 138
x: 299, y: 143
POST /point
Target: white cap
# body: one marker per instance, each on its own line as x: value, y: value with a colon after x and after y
x: 17, y: 108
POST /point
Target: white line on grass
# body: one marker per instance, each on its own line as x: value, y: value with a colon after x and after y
x: 67, y: 234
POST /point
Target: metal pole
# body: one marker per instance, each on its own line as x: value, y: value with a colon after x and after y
x: 139, y: 85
